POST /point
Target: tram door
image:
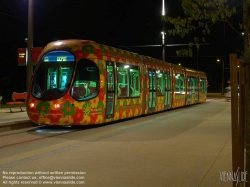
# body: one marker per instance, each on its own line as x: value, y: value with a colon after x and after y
x: 110, y: 87
x: 167, y: 101
x: 196, y: 89
x: 152, y: 90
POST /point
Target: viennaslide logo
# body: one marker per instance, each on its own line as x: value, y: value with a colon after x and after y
x: 237, y: 176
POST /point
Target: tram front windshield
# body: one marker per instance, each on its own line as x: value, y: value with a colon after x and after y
x: 53, y: 75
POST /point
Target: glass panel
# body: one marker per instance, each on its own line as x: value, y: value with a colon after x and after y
x: 168, y: 88
x: 160, y: 86
x: 152, y: 89
x: 123, y: 81
x: 154, y: 100
x: 110, y: 90
x: 168, y: 81
x: 196, y: 88
x: 150, y: 99
x: 177, y: 85
x: 134, y: 82
x: 203, y: 85
x: 110, y: 78
x: 86, y: 81
x: 189, y: 91
x: 182, y: 84
x: 53, y: 75
x: 153, y: 80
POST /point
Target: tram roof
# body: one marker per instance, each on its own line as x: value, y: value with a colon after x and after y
x: 90, y: 48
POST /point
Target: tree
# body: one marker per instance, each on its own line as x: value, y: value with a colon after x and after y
x: 200, y: 15
x: 198, y: 18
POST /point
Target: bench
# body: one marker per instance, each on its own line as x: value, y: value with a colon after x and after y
x: 18, y: 99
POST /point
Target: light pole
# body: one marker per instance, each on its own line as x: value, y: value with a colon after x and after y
x: 222, y: 78
x: 163, y: 32
x: 163, y: 45
x: 30, y: 43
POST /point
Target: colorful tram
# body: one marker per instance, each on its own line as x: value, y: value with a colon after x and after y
x: 80, y: 82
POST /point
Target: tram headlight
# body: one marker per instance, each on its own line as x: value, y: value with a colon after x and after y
x: 32, y: 105
x: 57, y: 105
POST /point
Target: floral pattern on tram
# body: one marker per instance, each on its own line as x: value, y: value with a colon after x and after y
x: 66, y: 110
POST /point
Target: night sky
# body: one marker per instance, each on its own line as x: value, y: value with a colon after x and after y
x: 111, y: 22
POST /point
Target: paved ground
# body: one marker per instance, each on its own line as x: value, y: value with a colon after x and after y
x: 187, y: 147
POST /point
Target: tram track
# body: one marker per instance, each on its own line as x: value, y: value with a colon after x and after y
x: 7, y: 135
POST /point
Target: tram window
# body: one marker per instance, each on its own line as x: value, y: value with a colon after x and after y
x: 203, y: 85
x: 110, y: 86
x: 134, y: 82
x: 53, y: 75
x: 86, y: 81
x: 128, y: 81
x: 160, y: 85
x: 180, y: 86
x: 196, y: 84
x: 168, y: 81
x: 191, y: 84
x: 177, y: 84
x: 122, y: 81
x: 152, y: 79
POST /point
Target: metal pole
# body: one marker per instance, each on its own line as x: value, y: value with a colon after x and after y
x: 163, y: 45
x: 30, y: 43
x: 222, y: 84
x: 163, y: 32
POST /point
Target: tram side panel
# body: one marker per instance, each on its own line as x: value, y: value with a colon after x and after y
x: 191, y: 86
x: 179, y: 90
x: 120, y: 87
x: 157, y: 85
x: 129, y: 88
x: 202, y: 83
x: 91, y: 95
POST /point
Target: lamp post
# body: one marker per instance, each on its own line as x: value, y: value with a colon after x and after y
x: 163, y: 45
x: 222, y: 78
x: 30, y: 43
x: 163, y: 32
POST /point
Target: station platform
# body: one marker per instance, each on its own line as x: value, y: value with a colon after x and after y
x: 13, y: 120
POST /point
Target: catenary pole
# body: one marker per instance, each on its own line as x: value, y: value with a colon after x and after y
x: 30, y: 43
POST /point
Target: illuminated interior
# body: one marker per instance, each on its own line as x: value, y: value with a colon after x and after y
x: 53, y: 75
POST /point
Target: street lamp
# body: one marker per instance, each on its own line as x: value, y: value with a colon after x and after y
x: 30, y: 43
x: 163, y: 45
x: 163, y: 32
x: 222, y: 78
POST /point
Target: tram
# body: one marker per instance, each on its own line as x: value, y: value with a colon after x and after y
x: 81, y: 82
